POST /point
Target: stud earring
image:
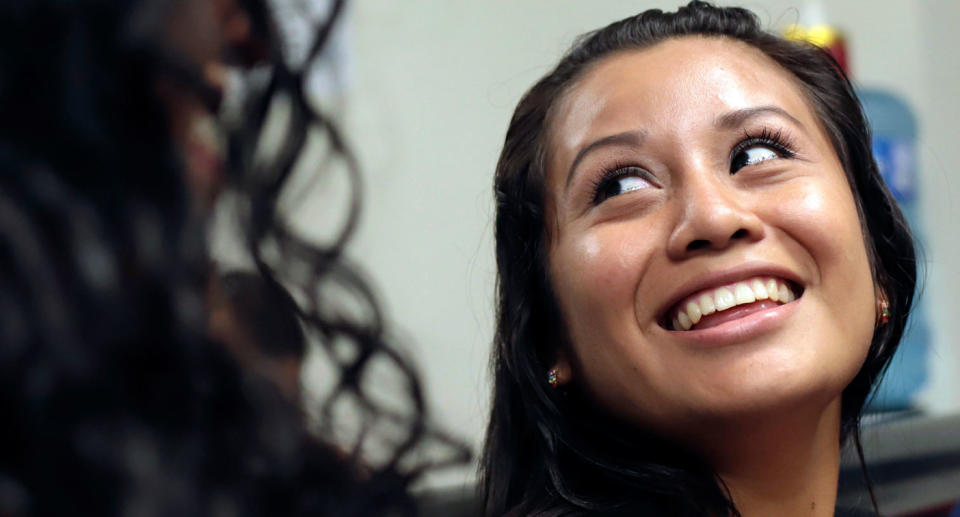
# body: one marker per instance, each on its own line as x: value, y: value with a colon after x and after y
x: 884, y: 312
x: 552, y: 377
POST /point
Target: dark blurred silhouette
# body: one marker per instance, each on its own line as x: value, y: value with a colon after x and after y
x: 117, y: 397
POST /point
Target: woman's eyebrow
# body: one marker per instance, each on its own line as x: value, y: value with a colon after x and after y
x: 627, y: 138
x: 735, y: 119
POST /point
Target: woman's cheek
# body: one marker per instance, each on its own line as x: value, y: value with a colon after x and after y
x: 607, y: 262
x: 821, y: 217
x: 596, y: 281
x: 825, y: 222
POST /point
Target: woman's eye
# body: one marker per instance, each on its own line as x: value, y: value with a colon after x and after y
x: 752, y: 155
x: 621, y: 181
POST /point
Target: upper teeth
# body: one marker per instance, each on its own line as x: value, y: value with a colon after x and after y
x: 720, y: 299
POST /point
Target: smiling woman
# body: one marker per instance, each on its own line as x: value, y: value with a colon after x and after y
x: 701, y: 276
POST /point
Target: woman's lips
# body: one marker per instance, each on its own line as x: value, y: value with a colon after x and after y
x: 740, y: 311
x: 716, y: 305
x: 753, y: 321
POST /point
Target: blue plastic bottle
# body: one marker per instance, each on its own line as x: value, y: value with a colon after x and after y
x: 894, y: 147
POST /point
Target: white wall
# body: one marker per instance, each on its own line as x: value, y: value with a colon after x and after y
x: 432, y: 89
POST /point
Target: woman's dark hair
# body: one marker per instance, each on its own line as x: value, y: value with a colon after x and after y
x: 550, y: 452
x: 114, y: 399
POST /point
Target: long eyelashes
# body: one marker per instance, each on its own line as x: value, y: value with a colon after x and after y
x: 607, y: 183
x: 777, y: 141
x: 755, y: 147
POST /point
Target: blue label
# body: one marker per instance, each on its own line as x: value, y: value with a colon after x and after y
x: 895, y: 158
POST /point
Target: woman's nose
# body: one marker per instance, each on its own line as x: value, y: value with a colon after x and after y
x: 713, y: 216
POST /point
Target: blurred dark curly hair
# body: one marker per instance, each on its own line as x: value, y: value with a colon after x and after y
x: 114, y: 400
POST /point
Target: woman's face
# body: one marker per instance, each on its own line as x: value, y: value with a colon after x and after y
x: 705, y: 247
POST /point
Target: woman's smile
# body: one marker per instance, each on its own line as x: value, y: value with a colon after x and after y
x: 721, y: 312
x: 714, y: 306
x: 732, y: 306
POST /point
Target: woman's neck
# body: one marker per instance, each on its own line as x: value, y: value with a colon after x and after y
x: 784, y: 465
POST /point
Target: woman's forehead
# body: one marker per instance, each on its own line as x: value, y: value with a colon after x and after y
x: 677, y: 85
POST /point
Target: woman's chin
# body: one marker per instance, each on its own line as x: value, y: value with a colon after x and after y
x: 789, y: 373
x: 733, y: 398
